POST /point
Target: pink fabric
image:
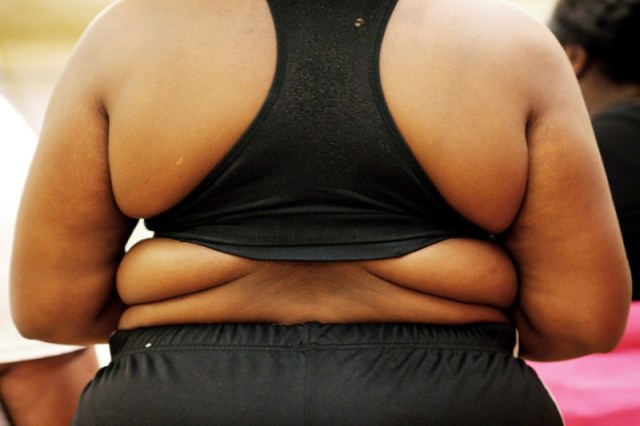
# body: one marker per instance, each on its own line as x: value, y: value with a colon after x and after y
x: 602, y: 389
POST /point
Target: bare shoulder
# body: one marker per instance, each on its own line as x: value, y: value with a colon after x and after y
x: 493, y: 41
x: 522, y: 54
x: 494, y: 26
x: 508, y: 34
x: 131, y: 31
x: 123, y: 29
x: 134, y: 40
x: 108, y: 44
x: 132, y: 24
x: 124, y: 18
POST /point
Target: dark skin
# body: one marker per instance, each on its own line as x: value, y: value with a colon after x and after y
x: 494, y: 117
x: 46, y: 391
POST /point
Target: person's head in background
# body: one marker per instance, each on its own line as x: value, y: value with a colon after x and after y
x: 602, y: 41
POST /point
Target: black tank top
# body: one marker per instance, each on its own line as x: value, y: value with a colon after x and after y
x: 322, y: 173
x: 617, y: 131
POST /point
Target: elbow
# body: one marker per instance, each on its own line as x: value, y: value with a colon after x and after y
x: 31, y: 328
x: 34, y: 320
x: 561, y: 348
x: 61, y: 318
x: 50, y: 328
x: 606, y: 328
x: 585, y: 323
x: 37, y: 327
x: 600, y: 338
x: 573, y: 339
x: 36, y: 330
x: 595, y: 340
x: 606, y: 337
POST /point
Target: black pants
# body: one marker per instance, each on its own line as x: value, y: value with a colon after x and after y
x: 316, y: 374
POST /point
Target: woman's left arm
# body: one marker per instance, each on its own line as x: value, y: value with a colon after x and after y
x: 70, y: 234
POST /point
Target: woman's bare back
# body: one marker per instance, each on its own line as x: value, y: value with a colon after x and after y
x: 172, y: 124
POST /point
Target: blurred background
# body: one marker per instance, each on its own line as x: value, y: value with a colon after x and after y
x: 37, y: 36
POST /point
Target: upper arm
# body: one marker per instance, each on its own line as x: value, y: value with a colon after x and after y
x: 70, y: 234
x: 574, y: 279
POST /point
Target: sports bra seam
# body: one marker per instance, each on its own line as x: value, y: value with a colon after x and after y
x: 358, y: 213
x: 184, y: 236
x: 206, y: 221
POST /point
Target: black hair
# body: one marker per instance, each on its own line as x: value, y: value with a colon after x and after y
x: 608, y: 30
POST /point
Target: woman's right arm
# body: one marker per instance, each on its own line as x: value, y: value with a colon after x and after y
x: 574, y: 290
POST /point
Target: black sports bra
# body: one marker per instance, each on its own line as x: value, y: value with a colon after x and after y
x: 322, y: 173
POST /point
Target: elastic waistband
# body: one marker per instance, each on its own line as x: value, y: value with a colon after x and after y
x: 310, y: 336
